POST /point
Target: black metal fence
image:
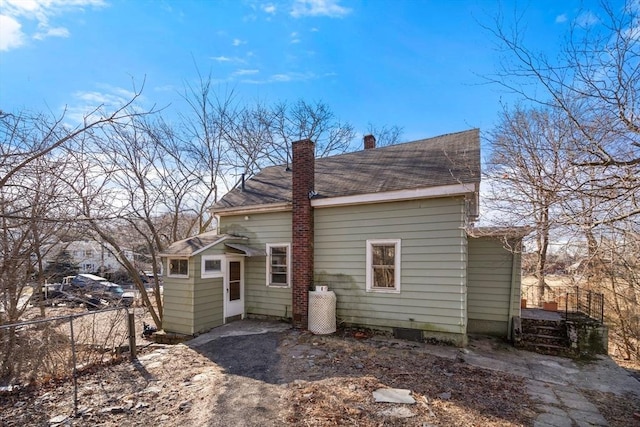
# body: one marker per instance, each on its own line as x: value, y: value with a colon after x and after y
x: 585, y: 302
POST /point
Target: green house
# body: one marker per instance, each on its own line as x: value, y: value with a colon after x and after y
x: 388, y: 229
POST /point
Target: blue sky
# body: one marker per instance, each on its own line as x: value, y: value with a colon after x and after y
x: 414, y: 64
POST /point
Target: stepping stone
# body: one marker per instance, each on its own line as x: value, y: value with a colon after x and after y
x: 393, y: 395
x: 59, y: 419
x: 552, y: 420
x: 587, y: 418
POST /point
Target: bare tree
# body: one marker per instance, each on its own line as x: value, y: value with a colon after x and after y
x: 229, y: 139
x: 149, y: 179
x: 204, y: 133
x: 526, y: 173
x: 595, y: 87
x: 385, y: 135
x: 31, y: 200
x: 117, y: 188
x: 595, y: 83
x: 305, y: 120
x: 51, y: 133
x: 251, y: 139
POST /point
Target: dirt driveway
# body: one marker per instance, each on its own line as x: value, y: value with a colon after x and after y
x: 253, y: 373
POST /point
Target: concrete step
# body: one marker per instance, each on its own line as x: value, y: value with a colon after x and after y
x: 543, y: 337
x: 550, y: 334
x: 530, y: 325
x: 548, y: 328
x: 545, y: 329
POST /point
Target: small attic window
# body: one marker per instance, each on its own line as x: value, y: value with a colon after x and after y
x: 178, y: 267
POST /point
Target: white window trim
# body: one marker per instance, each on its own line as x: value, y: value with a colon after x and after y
x: 369, y: 273
x: 181, y: 276
x: 268, y: 264
x: 212, y: 274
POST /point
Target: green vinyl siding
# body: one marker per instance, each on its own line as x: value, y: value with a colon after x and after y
x: 178, y: 307
x: 208, y: 293
x: 492, y: 298
x: 208, y: 304
x: 194, y: 304
x: 433, y: 269
x: 261, y: 229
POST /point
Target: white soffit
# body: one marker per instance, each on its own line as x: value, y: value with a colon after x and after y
x: 391, y: 196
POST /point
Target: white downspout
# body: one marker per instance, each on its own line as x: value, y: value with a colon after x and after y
x: 217, y: 217
x: 513, y: 284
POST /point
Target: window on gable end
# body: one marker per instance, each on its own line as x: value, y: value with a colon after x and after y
x: 383, y: 265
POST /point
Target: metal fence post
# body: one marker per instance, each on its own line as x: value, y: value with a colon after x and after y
x: 132, y: 336
x: 75, y: 370
x: 75, y: 347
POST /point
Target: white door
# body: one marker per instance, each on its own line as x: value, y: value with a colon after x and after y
x: 234, y: 288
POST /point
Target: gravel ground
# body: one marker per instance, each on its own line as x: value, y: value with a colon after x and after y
x: 288, y: 378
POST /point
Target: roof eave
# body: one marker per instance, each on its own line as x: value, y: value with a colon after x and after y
x: 514, y: 232
x: 451, y: 190
x: 204, y: 248
x: 174, y: 255
x: 263, y: 208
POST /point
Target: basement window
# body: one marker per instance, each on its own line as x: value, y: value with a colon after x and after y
x: 383, y: 266
x: 178, y: 267
x: 279, y: 264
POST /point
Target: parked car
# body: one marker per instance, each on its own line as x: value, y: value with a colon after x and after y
x: 85, y: 280
x: 148, y: 282
x: 100, y: 291
x: 88, y: 289
x: 50, y: 294
x: 108, y: 293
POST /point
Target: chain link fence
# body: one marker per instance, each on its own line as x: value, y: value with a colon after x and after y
x: 50, y: 350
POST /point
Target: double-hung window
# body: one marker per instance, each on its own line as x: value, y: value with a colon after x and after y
x: 279, y: 264
x: 383, y: 265
x: 178, y: 267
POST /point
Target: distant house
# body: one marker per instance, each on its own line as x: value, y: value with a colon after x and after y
x: 90, y: 256
x: 389, y: 230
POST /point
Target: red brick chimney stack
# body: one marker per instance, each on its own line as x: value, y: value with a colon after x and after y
x: 303, y: 165
x: 369, y: 142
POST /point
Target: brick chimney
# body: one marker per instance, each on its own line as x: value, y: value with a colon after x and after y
x: 369, y: 142
x: 303, y: 178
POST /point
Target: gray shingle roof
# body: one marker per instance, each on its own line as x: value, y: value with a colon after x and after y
x: 191, y: 245
x: 443, y: 160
